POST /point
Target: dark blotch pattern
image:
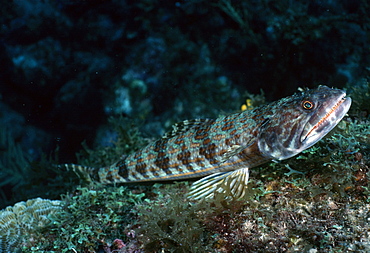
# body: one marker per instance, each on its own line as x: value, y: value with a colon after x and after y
x: 201, y: 134
x: 122, y: 169
x: 160, y: 145
x: 95, y: 175
x: 209, y: 153
x: 141, y: 168
x: 163, y: 163
x: 185, y: 159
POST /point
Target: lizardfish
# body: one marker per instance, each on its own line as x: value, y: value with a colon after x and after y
x: 223, y: 150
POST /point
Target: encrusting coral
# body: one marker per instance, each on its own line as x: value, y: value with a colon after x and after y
x: 18, y: 222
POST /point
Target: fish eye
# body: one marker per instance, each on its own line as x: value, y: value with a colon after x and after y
x: 308, y: 105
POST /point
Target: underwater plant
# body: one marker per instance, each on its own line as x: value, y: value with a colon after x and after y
x: 14, y: 165
x: 170, y: 223
x: 91, y: 218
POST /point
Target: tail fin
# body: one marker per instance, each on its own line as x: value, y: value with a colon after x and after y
x: 90, y: 174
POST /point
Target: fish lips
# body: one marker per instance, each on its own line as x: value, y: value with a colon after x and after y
x: 324, y: 121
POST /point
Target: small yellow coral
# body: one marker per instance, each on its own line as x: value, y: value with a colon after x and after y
x: 248, y: 105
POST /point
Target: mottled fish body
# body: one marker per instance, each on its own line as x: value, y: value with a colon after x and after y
x: 222, y: 150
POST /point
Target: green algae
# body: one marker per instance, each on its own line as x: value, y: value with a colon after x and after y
x: 90, y: 218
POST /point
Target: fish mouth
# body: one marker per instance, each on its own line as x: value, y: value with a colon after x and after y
x: 325, y: 121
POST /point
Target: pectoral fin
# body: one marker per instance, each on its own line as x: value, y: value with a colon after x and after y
x: 233, y: 183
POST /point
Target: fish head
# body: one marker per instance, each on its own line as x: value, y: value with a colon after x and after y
x: 295, y: 123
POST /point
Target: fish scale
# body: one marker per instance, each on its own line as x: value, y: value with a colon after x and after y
x: 192, y: 151
x: 224, y: 149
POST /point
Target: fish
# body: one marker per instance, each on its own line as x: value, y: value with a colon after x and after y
x: 221, y: 151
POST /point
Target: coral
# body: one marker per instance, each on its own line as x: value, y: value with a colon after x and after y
x: 319, y: 204
x: 19, y: 223
x: 78, y: 62
x: 286, y: 222
x: 316, y: 201
x: 253, y: 100
x: 93, y: 218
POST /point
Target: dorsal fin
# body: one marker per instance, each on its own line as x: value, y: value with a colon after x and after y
x: 184, y: 126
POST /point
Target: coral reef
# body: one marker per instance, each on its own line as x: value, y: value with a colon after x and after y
x: 19, y: 223
x: 92, y: 218
x: 315, y: 202
x: 115, y: 74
